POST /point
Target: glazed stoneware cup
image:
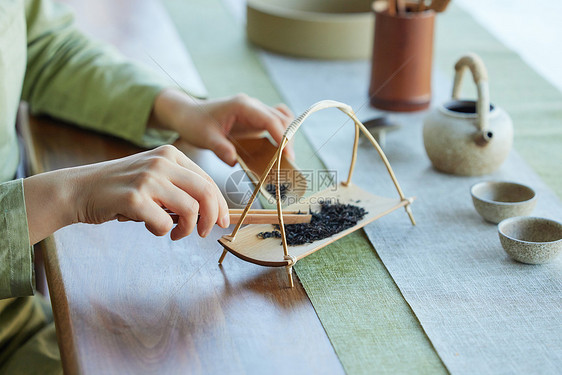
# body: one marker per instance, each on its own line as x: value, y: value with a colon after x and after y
x: 531, y: 240
x: 499, y: 200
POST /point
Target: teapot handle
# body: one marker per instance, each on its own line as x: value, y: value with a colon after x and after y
x: 480, y: 76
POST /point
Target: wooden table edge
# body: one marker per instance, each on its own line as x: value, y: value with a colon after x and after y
x: 61, y: 311
x: 59, y: 302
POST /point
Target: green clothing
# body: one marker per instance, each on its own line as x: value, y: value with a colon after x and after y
x: 45, y: 61
x: 28, y: 344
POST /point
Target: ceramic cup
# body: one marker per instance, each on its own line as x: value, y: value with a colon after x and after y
x: 531, y: 240
x: 499, y: 200
x: 401, y: 61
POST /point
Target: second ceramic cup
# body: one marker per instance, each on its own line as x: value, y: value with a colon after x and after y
x: 402, y: 60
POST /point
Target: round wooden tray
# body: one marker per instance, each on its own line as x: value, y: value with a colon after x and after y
x: 323, y: 29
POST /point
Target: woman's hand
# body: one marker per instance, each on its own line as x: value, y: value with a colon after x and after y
x: 137, y: 188
x: 215, y: 124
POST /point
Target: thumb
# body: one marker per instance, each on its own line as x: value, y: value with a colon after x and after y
x: 225, y: 150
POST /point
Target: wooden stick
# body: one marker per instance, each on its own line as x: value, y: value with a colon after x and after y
x: 264, y: 211
x: 252, y: 198
x: 439, y: 5
x: 224, y: 252
x: 290, y: 275
x: 284, y: 142
x: 259, y: 211
x: 421, y: 5
x: 401, y: 7
x: 392, y: 7
x: 272, y: 218
x: 257, y: 217
x: 386, y: 163
x: 353, y: 155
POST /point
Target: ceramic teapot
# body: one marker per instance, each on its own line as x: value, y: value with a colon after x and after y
x: 467, y: 137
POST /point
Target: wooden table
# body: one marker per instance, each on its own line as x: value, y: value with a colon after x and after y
x: 127, y: 302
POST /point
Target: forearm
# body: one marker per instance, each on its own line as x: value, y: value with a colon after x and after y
x: 83, y: 82
x: 49, y: 203
x: 167, y: 105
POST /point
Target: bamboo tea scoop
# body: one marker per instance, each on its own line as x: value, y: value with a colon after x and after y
x: 401, y: 7
x: 439, y: 5
x: 261, y: 217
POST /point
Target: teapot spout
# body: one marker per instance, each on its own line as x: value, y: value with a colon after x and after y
x: 483, y: 137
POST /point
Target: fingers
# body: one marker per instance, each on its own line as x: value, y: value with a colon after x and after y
x: 282, y: 107
x: 156, y: 220
x: 166, y: 178
x: 260, y: 116
x: 224, y: 149
x: 223, y: 214
x: 185, y: 206
x: 201, y: 200
x: 257, y: 115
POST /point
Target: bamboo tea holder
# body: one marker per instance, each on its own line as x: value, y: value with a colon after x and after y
x: 244, y: 243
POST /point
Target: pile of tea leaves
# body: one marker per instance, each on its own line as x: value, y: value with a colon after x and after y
x: 332, y: 218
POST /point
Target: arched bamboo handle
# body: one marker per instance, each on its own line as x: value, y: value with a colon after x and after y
x: 480, y: 76
x: 276, y: 159
x: 295, y: 125
x: 476, y: 66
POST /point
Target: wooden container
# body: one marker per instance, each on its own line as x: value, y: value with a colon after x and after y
x: 402, y: 60
x: 320, y: 29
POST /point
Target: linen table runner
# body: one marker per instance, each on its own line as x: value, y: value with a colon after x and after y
x: 483, y: 312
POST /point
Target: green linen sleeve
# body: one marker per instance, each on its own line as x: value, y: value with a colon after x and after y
x: 16, y: 254
x: 90, y: 84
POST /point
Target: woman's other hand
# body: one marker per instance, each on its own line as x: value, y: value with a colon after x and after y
x: 215, y: 124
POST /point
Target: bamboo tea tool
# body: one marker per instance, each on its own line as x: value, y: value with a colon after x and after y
x: 244, y: 242
x: 261, y: 216
x: 392, y: 7
x: 439, y: 6
x: 401, y: 7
